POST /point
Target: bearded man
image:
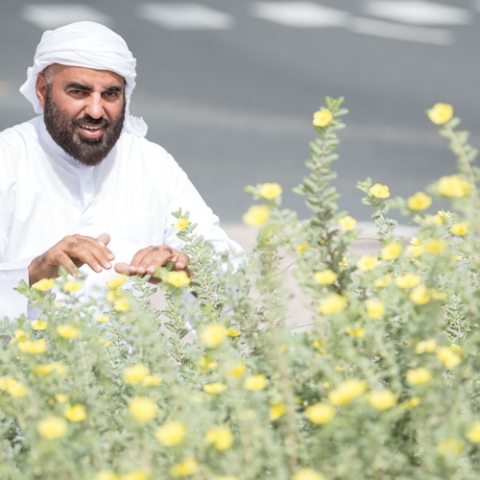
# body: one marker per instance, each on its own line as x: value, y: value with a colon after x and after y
x: 80, y: 186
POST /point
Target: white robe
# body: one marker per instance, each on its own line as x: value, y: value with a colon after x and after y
x: 46, y: 194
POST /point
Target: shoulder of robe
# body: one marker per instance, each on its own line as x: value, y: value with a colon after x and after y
x: 148, y: 152
x: 14, y: 139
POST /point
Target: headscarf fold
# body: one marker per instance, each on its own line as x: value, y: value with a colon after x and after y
x: 89, y: 45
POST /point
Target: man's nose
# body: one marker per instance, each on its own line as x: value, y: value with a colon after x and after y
x: 94, y: 106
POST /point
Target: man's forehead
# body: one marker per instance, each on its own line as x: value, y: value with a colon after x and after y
x: 71, y: 73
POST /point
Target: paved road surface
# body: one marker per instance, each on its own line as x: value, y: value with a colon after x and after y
x: 229, y: 86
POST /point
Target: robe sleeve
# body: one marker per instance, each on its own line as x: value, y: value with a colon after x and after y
x: 184, y: 195
x: 12, y: 303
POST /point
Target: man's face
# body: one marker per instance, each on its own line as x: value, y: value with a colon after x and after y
x: 84, y: 110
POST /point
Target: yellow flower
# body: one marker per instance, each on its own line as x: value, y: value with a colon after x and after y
x: 39, y: 324
x: 375, y: 308
x: 67, y: 331
x: 44, y: 285
x: 136, y: 475
x: 121, y: 304
x: 322, y: 117
x: 214, y: 388
x: 61, y: 398
x: 102, y: 319
x: 473, y: 433
x: 34, y: 347
x: 434, y: 245
x: 356, y: 332
x: 434, y: 220
x: 106, y: 475
x: 459, y: 229
x: 325, y: 277
x: 178, y: 278
x: 332, y: 303
x: 232, y: 332
x: 301, y: 248
x: 75, y: 413
x: 151, y: 381
x: 383, y: 282
x: 419, y: 201
x: 454, y: 186
x: 181, y: 223
x: 379, y: 191
x: 411, y: 403
x: 171, y: 433
x: 419, y: 375
x: 221, y: 438
x: 320, y: 413
x: 213, y: 334
x: 344, y: 262
x: 143, y: 409
x: 448, y: 357
x: 440, y: 113
x: 19, y: 336
x: 135, y: 373
x: 420, y: 295
x: 450, y: 446
x: 382, y: 399
x: 277, y: 411
x: 237, y: 370
x: 347, y: 391
x: 13, y: 387
x: 426, y: 346
x: 391, y: 251
x: 116, y: 282
x: 184, y: 469
x: 407, y: 280
x: 367, y: 263
x: 256, y: 215
x: 307, y: 474
x: 51, y: 367
x: 255, y: 382
x: 269, y: 191
x: 347, y: 222
x: 52, y: 427
x: 69, y: 286
x: 113, y: 294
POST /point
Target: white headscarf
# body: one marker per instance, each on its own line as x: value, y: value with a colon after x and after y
x: 89, y: 45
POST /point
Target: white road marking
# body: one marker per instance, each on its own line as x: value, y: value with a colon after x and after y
x: 299, y: 14
x: 406, y: 33
x: 419, y: 12
x: 185, y: 16
x: 53, y: 15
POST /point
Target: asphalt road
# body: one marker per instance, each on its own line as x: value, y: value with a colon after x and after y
x: 229, y: 89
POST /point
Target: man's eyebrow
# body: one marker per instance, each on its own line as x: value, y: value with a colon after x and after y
x: 79, y: 86
x: 113, y: 89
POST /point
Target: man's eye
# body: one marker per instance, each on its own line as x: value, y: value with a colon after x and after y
x: 111, y: 95
x: 77, y: 92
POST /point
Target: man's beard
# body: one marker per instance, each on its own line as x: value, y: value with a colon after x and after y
x: 89, y: 151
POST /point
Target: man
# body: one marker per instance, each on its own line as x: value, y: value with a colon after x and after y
x: 80, y: 186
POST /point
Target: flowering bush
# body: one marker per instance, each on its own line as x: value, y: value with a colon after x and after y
x: 384, y: 385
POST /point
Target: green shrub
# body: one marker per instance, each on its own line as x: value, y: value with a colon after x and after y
x: 384, y: 385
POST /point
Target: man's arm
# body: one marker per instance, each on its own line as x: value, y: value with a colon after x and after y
x: 146, y: 261
x: 72, y: 252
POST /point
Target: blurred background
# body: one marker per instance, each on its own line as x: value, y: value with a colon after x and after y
x: 229, y: 86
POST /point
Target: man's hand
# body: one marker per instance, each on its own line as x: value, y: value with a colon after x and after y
x: 72, y: 252
x: 147, y: 260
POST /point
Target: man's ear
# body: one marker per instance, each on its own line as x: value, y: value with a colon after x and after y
x: 41, y: 88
